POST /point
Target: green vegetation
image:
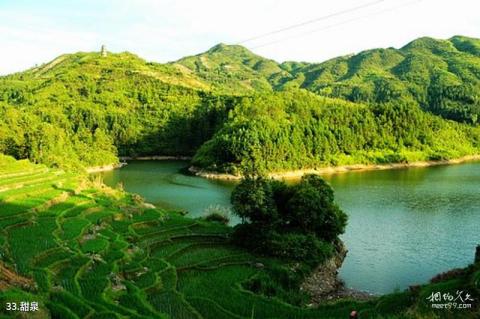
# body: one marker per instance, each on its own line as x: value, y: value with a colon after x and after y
x: 84, y: 250
x: 441, y: 76
x: 299, y: 222
x: 295, y: 129
x: 227, y: 106
x: 81, y: 110
x: 81, y: 249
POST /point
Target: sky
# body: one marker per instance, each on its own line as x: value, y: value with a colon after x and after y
x: 34, y: 32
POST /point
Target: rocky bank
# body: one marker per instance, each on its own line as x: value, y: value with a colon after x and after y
x: 323, y: 283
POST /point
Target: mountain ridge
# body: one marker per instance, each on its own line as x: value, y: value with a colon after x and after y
x: 441, y: 76
x: 457, y: 40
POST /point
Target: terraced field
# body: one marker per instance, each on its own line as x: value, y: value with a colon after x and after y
x: 83, y: 250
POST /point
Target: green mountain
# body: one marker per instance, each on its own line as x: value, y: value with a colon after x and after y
x: 233, y: 69
x: 84, y: 109
x: 81, y: 249
x: 81, y: 108
x: 442, y: 76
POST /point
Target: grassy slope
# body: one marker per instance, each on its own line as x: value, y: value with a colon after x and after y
x: 98, y: 253
x: 91, y: 65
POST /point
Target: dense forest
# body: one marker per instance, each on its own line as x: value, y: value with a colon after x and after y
x: 291, y: 130
x: 82, y: 110
x: 228, y: 106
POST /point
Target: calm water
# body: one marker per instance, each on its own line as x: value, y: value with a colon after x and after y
x: 404, y: 227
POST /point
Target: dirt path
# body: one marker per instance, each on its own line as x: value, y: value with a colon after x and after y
x: 9, y: 278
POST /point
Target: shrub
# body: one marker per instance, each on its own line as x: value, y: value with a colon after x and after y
x: 217, y: 214
x: 307, y: 248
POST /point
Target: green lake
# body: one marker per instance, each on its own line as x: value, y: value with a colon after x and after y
x: 404, y: 226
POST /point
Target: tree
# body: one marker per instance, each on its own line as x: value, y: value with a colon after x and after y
x: 253, y: 201
x: 300, y: 222
x: 313, y: 211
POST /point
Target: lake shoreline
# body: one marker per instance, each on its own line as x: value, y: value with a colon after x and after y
x: 295, y: 174
x: 375, y: 201
x: 155, y: 158
x: 104, y: 168
x: 324, y: 285
x: 124, y: 159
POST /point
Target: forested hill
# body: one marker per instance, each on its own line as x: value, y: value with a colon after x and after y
x: 442, y: 76
x: 83, y: 109
x: 234, y: 69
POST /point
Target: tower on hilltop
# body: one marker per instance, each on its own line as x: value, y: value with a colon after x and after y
x: 103, y: 51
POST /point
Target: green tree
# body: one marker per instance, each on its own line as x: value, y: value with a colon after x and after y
x: 312, y: 209
x: 253, y: 201
x: 300, y: 221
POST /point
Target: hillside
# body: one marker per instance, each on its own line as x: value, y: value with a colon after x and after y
x: 442, y: 76
x: 234, y: 69
x: 83, y: 250
x: 84, y: 110
x: 294, y: 129
x: 92, y: 65
x: 114, y: 105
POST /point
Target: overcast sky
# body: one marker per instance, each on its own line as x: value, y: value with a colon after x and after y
x: 33, y: 32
